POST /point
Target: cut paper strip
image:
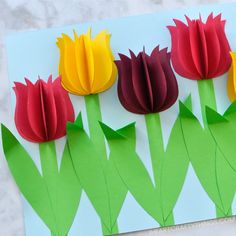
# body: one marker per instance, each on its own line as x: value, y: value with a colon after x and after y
x: 42, y: 110
x: 223, y: 129
x: 146, y: 84
x: 200, y: 50
x: 101, y: 183
x: 54, y: 199
x: 159, y: 200
x: 215, y: 174
x: 86, y: 65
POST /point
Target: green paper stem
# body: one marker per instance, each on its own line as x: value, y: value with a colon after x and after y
x: 153, y: 125
x: 207, y: 96
x: 48, y: 159
x: 93, y: 116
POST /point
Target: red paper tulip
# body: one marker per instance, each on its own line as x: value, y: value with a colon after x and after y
x: 146, y: 84
x: 42, y: 110
x: 200, y: 50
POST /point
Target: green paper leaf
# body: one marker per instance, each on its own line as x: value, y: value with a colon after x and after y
x: 54, y: 196
x: 213, y: 117
x: 117, y: 192
x: 225, y: 133
x: 157, y: 201
x: 68, y: 192
x: 131, y: 168
x: 100, y: 181
x: 28, y: 178
x: 205, y: 156
x: 174, y: 169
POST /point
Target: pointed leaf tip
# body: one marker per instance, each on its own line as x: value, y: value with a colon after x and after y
x: 8, y: 139
x: 185, y: 111
x: 109, y: 132
x: 128, y: 130
x: 79, y: 122
x: 188, y: 102
x: 214, y: 117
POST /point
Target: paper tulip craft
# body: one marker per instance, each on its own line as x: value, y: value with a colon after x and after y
x: 86, y: 65
x: 201, y: 52
x: 108, y: 146
x: 146, y: 84
x: 87, y: 68
x: 42, y: 111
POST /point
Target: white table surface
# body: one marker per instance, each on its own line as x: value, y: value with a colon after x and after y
x: 18, y: 15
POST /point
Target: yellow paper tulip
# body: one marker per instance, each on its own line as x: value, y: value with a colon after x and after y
x: 232, y: 78
x: 86, y: 65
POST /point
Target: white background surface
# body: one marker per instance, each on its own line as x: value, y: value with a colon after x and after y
x: 18, y: 15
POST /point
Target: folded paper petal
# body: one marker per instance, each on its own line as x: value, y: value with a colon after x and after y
x: 86, y: 65
x: 232, y: 79
x: 42, y: 110
x: 200, y: 50
x: 146, y: 84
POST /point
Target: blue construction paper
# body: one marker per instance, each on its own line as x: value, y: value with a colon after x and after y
x: 35, y: 53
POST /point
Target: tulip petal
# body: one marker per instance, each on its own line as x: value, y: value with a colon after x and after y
x: 34, y: 110
x: 67, y: 66
x: 64, y: 108
x: 225, y: 59
x: 102, y: 59
x: 181, y: 58
x: 158, y: 79
x: 213, y: 48
x: 196, y: 46
x: 232, y: 79
x: 150, y: 98
x: 21, y: 113
x: 126, y: 92
x: 49, y: 109
x: 139, y: 83
x: 203, y: 43
x: 85, y: 61
x: 171, y: 82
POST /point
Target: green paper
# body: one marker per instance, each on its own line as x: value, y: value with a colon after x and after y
x: 131, y: 168
x: 213, y: 171
x: 97, y: 138
x: 207, y: 96
x: 94, y: 116
x: 54, y: 196
x: 99, y: 179
x: 158, y: 200
x: 223, y: 129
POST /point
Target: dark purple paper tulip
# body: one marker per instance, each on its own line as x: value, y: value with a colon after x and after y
x: 146, y: 84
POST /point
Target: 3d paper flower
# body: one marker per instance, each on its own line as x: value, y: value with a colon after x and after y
x: 87, y: 68
x: 146, y: 84
x: 86, y: 65
x: 42, y: 110
x: 200, y: 50
x: 232, y: 79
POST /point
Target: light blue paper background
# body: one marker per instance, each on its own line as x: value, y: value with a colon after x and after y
x: 35, y: 53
